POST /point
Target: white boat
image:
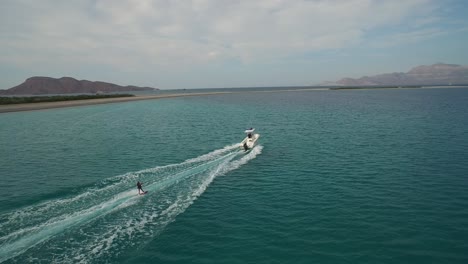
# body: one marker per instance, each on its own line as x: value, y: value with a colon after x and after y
x: 250, y: 140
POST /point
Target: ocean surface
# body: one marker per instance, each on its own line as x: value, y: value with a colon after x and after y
x: 347, y: 176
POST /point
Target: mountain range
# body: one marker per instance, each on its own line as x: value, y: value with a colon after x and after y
x: 436, y: 74
x: 67, y: 85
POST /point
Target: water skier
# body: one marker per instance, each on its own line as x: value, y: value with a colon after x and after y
x: 140, y: 188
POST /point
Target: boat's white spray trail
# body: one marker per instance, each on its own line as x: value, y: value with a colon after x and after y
x: 103, y: 220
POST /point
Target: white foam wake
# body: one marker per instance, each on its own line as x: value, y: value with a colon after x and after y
x: 105, y: 219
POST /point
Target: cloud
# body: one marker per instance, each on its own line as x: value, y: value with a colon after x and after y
x: 413, y: 36
x: 134, y: 35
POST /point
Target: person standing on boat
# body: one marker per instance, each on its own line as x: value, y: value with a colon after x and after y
x: 246, y: 147
x: 139, y: 184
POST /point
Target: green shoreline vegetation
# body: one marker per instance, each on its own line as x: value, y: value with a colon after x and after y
x: 56, y: 98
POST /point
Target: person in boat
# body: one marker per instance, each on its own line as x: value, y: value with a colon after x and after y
x: 139, y: 184
x: 245, y: 146
x: 250, y: 134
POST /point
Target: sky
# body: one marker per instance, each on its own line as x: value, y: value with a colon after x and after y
x: 183, y: 44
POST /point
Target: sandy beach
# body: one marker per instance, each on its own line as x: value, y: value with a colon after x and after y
x: 49, y: 105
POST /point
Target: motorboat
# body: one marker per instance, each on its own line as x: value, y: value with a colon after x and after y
x: 250, y: 140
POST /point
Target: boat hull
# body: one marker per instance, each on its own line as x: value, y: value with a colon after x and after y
x: 249, y: 142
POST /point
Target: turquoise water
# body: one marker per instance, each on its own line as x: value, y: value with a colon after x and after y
x: 358, y: 176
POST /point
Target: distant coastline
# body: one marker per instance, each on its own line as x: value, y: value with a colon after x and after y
x: 67, y: 85
x: 396, y: 87
x: 423, y: 75
x: 61, y: 104
x: 56, y: 98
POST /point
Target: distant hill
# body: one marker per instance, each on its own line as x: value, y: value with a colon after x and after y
x: 436, y: 74
x: 67, y: 85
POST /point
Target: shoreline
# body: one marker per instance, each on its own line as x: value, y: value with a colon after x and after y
x: 61, y: 104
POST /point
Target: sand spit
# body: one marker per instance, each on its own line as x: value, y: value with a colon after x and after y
x: 49, y: 105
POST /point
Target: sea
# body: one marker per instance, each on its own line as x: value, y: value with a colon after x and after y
x: 337, y: 176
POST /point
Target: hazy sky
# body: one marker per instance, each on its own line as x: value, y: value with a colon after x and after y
x: 216, y: 43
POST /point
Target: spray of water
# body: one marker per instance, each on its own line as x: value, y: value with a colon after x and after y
x: 105, y: 219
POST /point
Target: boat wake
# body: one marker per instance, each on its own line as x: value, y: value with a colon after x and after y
x: 104, y: 220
